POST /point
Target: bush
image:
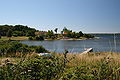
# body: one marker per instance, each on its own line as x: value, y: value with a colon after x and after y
x: 10, y: 48
x: 39, y: 38
x: 52, y: 68
x: 30, y: 38
x: 0, y: 36
x: 88, y: 36
x: 36, y: 68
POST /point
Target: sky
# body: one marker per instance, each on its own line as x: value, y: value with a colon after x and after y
x: 89, y: 16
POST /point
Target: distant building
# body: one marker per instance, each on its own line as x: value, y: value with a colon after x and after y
x: 65, y: 32
x: 40, y: 33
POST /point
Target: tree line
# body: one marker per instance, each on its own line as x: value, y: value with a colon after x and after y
x: 21, y: 30
x: 17, y: 30
x: 65, y: 33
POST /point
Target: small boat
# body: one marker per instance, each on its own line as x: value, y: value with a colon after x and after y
x: 44, y: 54
x: 87, y: 50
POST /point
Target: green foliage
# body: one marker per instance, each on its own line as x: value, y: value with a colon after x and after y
x: 18, y: 33
x: 65, y: 58
x: 0, y: 36
x: 39, y: 38
x: 53, y: 68
x: 56, y: 29
x: 50, y: 34
x: 8, y: 48
x: 68, y: 33
x: 80, y: 34
x: 66, y: 30
x: 38, y: 49
x: 88, y: 36
x: 35, y: 68
x: 17, y: 30
x: 31, y: 38
x: 103, y: 70
x: 74, y: 34
x: 31, y: 33
x: 9, y: 33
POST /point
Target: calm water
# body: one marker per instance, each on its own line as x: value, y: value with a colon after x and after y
x: 106, y: 43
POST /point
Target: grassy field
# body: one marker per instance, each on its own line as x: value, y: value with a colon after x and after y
x: 14, y: 38
x: 77, y: 59
x: 91, y: 66
x: 91, y: 58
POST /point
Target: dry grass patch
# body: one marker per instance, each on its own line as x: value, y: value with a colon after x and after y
x: 91, y: 58
x: 15, y: 38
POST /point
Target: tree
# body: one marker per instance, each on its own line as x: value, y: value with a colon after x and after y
x: 81, y: 34
x: 17, y: 30
x: 0, y: 36
x: 50, y: 34
x: 30, y: 38
x: 9, y: 33
x: 88, y: 36
x: 56, y: 29
x: 39, y: 38
x: 61, y: 32
x: 65, y: 29
x: 30, y: 33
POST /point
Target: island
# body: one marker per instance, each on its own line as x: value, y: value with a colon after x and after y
x: 21, y: 32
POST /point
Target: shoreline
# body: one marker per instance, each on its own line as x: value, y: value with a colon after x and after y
x: 74, y: 39
x: 24, y: 38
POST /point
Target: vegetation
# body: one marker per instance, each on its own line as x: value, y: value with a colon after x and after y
x: 20, y: 38
x: 20, y: 61
x: 56, y: 29
x: 68, y: 33
x: 12, y: 48
x: 39, y: 38
x: 88, y: 36
x: 9, y: 33
x: 17, y: 30
x: 24, y: 31
x: 93, y: 66
x: 50, y: 34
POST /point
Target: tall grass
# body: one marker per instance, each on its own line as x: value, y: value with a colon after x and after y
x: 91, y: 66
x: 92, y: 58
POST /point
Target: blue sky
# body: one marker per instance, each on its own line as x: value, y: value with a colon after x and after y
x: 78, y: 15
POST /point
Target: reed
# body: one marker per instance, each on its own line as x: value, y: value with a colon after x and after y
x: 94, y: 66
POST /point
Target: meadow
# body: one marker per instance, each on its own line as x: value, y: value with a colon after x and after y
x: 91, y: 66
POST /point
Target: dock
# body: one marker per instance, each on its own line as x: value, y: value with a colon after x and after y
x: 87, y: 51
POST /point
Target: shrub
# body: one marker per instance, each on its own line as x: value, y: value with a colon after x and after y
x: 39, y: 38
x: 88, y: 36
x: 34, y: 68
x: 10, y: 48
x: 30, y: 38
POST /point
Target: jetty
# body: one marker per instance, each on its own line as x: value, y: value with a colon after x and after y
x: 87, y: 51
